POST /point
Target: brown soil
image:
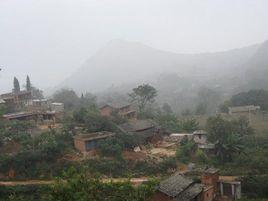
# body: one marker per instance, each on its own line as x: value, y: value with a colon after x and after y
x: 134, y: 156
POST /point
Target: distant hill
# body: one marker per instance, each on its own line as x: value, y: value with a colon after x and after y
x: 257, y: 69
x: 122, y: 62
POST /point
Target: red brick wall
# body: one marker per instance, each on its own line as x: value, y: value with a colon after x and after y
x: 161, y: 197
x: 208, y: 195
x: 80, y: 145
x: 210, y: 179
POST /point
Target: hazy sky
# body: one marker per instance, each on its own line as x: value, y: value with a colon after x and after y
x: 49, y: 39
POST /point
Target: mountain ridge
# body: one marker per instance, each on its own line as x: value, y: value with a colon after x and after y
x: 121, y: 61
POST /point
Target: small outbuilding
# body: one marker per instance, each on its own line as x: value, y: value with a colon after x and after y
x: 88, y: 143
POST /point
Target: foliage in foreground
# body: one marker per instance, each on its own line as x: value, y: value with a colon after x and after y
x: 79, y: 187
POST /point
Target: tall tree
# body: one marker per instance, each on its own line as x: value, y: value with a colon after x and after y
x: 68, y: 97
x: 28, y: 84
x: 16, y: 85
x: 228, y: 135
x: 142, y: 95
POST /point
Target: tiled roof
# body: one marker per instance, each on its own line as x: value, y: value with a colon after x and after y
x: 138, y: 125
x: 180, y: 188
x: 190, y: 193
x: 174, y: 185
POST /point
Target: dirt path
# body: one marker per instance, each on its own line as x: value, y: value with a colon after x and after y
x: 134, y: 181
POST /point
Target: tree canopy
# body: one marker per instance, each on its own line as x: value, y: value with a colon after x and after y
x: 16, y: 85
x: 28, y: 83
x: 252, y: 97
x: 228, y: 135
x: 142, y: 95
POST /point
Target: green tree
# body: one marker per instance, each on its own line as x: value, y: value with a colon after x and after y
x: 142, y: 95
x: 207, y: 100
x: 189, y: 125
x: 169, y: 122
x: 28, y: 83
x: 16, y: 85
x: 81, y: 187
x: 228, y: 135
x: 187, y: 149
x: 252, y: 97
x: 166, y: 108
x: 68, y: 97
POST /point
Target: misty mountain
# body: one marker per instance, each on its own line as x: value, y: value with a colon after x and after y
x: 257, y: 69
x: 121, y: 62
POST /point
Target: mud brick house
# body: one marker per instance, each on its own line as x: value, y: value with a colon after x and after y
x: 124, y: 110
x: 88, y: 143
x: 179, y: 188
x: 144, y: 130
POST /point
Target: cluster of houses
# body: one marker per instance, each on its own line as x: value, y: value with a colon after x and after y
x: 145, y: 130
x: 211, y: 187
x: 178, y: 187
x: 199, y: 137
x: 27, y: 108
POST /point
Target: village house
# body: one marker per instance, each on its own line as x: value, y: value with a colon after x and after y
x: 213, y: 187
x: 30, y: 115
x: 38, y: 105
x: 147, y: 131
x: 124, y: 110
x: 243, y: 110
x: 178, y: 188
x: 17, y: 98
x: 88, y: 143
x: 199, y: 136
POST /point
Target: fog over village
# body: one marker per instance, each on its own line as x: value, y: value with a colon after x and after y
x: 133, y: 100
